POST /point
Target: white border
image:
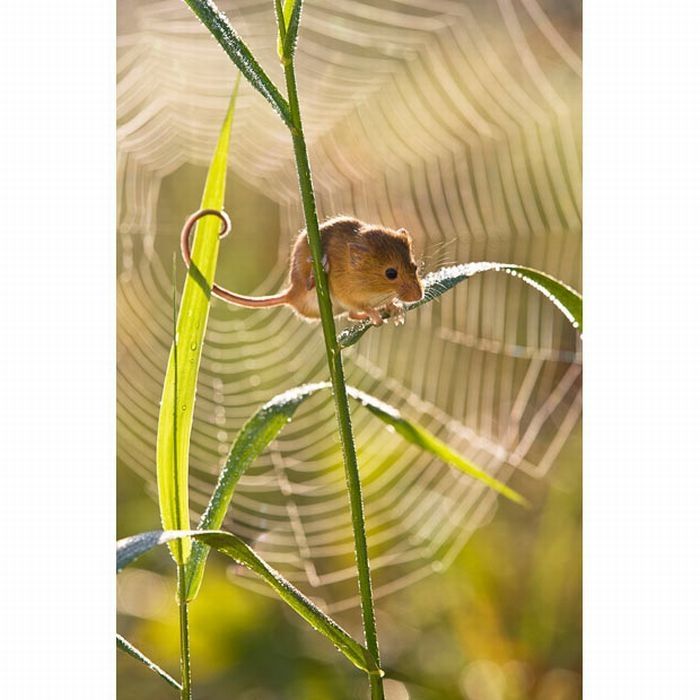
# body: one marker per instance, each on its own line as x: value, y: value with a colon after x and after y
x: 642, y: 157
x: 57, y: 367
x: 641, y: 418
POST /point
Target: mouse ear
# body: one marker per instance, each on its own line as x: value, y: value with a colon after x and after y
x: 357, y: 253
x: 402, y: 232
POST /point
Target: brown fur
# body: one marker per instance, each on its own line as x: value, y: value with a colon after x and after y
x: 358, y: 256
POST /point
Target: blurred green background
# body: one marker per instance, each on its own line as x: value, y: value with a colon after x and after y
x: 460, y: 121
x: 502, y: 623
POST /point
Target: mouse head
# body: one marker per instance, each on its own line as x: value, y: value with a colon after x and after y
x: 385, y: 263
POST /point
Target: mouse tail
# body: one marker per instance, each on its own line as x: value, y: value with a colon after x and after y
x: 250, y: 302
x: 221, y: 292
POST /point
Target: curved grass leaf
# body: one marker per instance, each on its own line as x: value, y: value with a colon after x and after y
x: 566, y: 299
x: 219, y: 26
x: 420, y: 437
x: 175, y: 417
x: 130, y: 649
x: 253, y: 438
x: 130, y: 548
x: 264, y: 427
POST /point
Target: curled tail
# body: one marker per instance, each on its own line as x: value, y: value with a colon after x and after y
x: 221, y: 292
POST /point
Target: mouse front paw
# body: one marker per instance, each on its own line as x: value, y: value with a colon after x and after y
x: 375, y: 317
x: 397, y: 313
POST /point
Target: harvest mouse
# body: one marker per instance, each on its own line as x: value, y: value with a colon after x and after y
x: 370, y: 268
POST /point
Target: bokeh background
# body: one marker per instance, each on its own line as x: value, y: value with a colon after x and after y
x: 461, y: 121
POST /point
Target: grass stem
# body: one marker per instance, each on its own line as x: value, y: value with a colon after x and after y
x: 185, y: 671
x: 335, y: 364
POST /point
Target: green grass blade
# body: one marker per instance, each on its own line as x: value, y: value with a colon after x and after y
x: 420, y: 437
x: 253, y: 438
x: 264, y: 427
x: 130, y: 649
x: 239, y: 551
x: 130, y: 548
x: 286, y: 46
x: 172, y: 446
x: 566, y: 299
x: 219, y: 26
x: 281, y: 28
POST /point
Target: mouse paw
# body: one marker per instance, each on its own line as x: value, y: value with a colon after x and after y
x: 375, y: 317
x: 399, y: 318
x: 397, y: 313
x: 324, y: 262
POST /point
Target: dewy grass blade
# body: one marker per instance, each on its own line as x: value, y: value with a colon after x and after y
x: 292, y: 17
x: 172, y: 457
x: 420, y: 437
x: 566, y: 299
x: 219, y: 26
x: 264, y: 427
x: 253, y: 438
x: 130, y: 649
x: 130, y: 548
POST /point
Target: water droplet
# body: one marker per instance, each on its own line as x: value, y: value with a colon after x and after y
x: 193, y: 346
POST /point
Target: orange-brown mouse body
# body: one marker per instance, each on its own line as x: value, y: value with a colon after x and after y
x: 369, y: 269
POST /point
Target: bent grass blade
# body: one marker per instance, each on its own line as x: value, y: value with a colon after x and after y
x: 253, y: 438
x: 264, y: 427
x: 130, y: 548
x: 564, y: 297
x: 420, y: 437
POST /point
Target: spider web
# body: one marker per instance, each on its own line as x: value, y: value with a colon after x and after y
x: 459, y: 121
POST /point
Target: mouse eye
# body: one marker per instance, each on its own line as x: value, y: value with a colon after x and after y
x: 391, y: 273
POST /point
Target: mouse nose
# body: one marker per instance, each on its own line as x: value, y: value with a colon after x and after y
x: 414, y: 292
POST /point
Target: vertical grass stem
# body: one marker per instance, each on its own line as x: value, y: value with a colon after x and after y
x: 185, y: 672
x: 335, y: 365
